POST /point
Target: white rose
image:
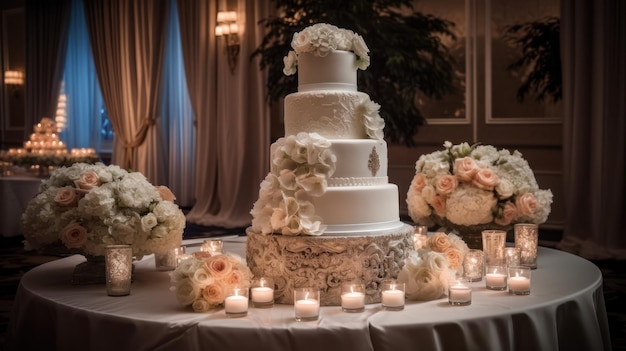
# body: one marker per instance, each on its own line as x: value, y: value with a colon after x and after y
x: 291, y: 63
x: 187, y: 292
x: 148, y: 222
x: 301, y: 42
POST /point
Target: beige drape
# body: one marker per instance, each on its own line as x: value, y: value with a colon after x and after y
x: 594, y: 96
x: 47, y: 25
x: 232, y: 118
x: 127, y: 40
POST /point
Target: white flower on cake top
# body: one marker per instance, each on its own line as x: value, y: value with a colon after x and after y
x: 322, y: 38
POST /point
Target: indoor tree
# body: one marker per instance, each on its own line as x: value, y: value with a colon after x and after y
x: 406, y: 50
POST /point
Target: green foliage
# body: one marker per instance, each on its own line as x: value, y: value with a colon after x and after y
x: 406, y: 51
x: 539, y: 42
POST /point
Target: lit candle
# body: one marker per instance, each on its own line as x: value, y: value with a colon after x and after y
x: 262, y: 294
x: 519, y: 284
x: 236, y: 304
x: 353, y: 300
x: 307, y: 308
x: 459, y: 293
x: 496, y: 280
x: 393, y: 298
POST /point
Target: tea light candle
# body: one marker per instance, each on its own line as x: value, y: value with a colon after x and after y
x: 393, y: 298
x: 495, y: 279
x: 353, y: 301
x: 262, y: 294
x: 519, y: 284
x: 236, y: 304
x: 307, y: 308
x: 459, y: 293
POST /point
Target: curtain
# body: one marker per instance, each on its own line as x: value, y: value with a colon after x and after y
x: 232, y: 118
x: 127, y: 40
x: 81, y: 86
x: 594, y: 86
x: 47, y: 23
x: 177, y: 114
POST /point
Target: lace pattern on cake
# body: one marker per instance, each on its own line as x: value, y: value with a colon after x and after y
x: 373, y: 164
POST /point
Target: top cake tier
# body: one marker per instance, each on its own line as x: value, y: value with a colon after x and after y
x: 335, y: 71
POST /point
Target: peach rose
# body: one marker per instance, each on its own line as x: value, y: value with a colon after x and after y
x: 526, y: 204
x: 165, y: 193
x: 439, y: 242
x: 508, y: 214
x: 446, y: 184
x: 218, y: 266
x: 88, y: 180
x: 66, y: 196
x: 74, y: 235
x: 439, y: 204
x: 485, y: 179
x: 465, y: 168
x: 454, y: 258
x: 214, y: 293
x: 236, y: 277
x: 418, y: 183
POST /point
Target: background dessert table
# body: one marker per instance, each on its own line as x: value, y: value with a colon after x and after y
x: 565, y: 311
x: 15, y: 193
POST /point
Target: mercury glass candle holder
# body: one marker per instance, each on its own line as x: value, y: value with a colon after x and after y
x: 420, y: 235
x: 473, y: 265
x: 213, y: 246
x: 526, y: 240
x: 168, y: 260
x: 119, y: 266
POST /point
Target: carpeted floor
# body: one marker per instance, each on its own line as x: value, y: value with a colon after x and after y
x: 14, y: 262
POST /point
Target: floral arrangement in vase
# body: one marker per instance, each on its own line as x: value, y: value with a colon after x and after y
x: 472, y: 187
x: 201, y: 280
x: 427, y: 270
x: 301, y: 166
x: 322, y: 38
x: 85, y: 207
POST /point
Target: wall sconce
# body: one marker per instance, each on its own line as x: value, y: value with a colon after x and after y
x: 13, y: 78
x: 227, y: 27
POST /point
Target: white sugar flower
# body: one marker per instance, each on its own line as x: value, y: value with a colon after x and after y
x: 291, y: 63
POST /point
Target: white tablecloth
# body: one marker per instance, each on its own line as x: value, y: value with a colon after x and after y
x: 565, y: 311
x: 15, y: 193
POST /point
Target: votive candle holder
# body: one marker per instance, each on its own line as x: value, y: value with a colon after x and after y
x: 167, y: 261
x: 420, y: 236
x: 392, y: 295
x: 519, y: 280
x: 352, y: 297
x: 212, y: 246
x: 306, y: 304
x: 262, y: 292
x: 473, y: 265
x: 494, y: 242
x: 512, y: 256
x: 526, y: 236
x: 119, y: 266
x: 236, y: 302
x: 459, y: 291
x: 495, y: 277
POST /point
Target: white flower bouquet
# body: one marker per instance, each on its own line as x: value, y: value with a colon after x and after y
x: 467, y: 186
x: 427, y: 271
x: 85, y: 207
x: 322, y: 38
x: 201, y: 280
x: 301, y: 166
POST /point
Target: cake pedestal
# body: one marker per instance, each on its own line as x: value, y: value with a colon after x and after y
x: 326, y: 261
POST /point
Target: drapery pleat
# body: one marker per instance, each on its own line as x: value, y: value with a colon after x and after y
x: 232, y: 119
x: 81, y: 86
x: 177, y: 114
x: 47, y: 23
x: 127, y: 41
x: 594, y: 84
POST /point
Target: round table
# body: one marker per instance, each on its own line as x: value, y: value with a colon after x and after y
x: 15, y: 194
x: 565, y: 311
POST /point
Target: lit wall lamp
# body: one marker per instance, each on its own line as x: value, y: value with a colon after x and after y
x: 13, y: 78
x: 227, y: 28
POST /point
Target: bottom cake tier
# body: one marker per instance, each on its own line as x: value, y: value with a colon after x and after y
x: 328, y: 261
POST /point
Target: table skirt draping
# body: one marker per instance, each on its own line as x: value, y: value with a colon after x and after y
x: 565, y: 311
x: 15, y: 194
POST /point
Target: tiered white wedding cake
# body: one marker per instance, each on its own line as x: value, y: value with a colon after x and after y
x: 326, y: 213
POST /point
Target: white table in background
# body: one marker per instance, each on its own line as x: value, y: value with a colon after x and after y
x: 15, y: 193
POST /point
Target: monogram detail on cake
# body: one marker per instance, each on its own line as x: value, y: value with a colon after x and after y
x: 373, y: 164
